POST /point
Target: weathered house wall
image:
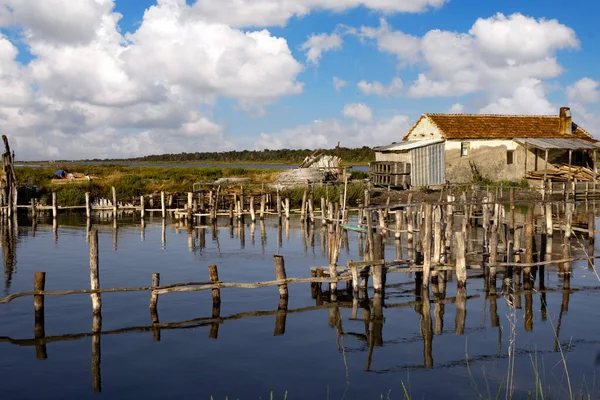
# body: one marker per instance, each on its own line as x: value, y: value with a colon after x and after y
x: 490, y: 159
x: 425, y: 130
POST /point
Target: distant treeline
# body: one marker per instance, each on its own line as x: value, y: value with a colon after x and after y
x: 284, y: 156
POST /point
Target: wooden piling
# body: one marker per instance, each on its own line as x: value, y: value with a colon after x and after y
x: 378, y: 254
x: 94, y: 272
x: 287, y: 208
x: 549, y: 222
x: 303, y: 207
x: 252, y: 212
x: 54, y: 206
x: 426, y: 243
x: 163, y: 205
x: 88, y: 208
x: 262, y: 207
x: 461, y: 264
x: 278, y: 204
x: 39, y: 329
x: 154, y: 299
x: 323, y: 220
x: 527, y: 281
x: 280, y: 275
x: 114, y: 201
x: 591, y: 228
x: 213, y: 274
x: 142, y: 208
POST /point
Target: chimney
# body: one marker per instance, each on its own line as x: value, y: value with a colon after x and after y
x: 565, y: 126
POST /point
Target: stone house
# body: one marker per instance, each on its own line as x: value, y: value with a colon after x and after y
x: 497, y: 147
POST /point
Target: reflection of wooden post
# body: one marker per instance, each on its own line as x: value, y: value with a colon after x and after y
x: 39, y: 284
x: 461, y: 310
x: 461, y: 264
x: 94, y: 272
x: 280, y: 317
x: 427, y: 332
x: 96, y: 353
x: 528, y: 311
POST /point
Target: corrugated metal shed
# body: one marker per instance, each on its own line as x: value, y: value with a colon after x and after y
x: 557, y: 144
x: 429, y: 164
x: 406, y: 146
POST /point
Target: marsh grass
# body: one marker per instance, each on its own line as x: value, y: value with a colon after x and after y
x: 130, y: 182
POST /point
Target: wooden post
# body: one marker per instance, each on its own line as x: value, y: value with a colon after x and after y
x: 511, y: 222
x: 154, y: 305
x: 280, y: 275
x: 311, y: 207
x: 426, y: 241
x: 287, y: 208
x: 39, y: 283
x: 252, y: 213
x: 88, y: 209
x: 549, y: 222
x: 493, y: 250
x: 378, y: 254
x: 54, y: 205
x: 278, y: 204
x: 94, y: 272
x: 213, y: 274
x: 163, y: 205
x: 461, y: 264
x: 303, y: 207
x: 114, y: 199
x: 323, y: 221
x: 591, y: 228
x: 527, y: 285
x: 142, y: 208
x: 262, y: 207
x: 190, y: 202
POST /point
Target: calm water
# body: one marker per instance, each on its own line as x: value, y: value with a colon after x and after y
x: 324, y: 352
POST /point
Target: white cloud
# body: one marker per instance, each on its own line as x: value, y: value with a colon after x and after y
x: 404, y: 47
x: 99, y: 93
x: 495, y: 56
x: 326, y: 134
x: 243, y: 13
x: 317, y: 44
x: 584, y: 91
x: 379, y: 89
x: 56, y: 21
x: 456, y: 108
x: 528, y: 98
x: 338, y: 83
x: 358, y: 111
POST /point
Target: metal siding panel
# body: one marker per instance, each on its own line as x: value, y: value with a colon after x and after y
x: 428, y: 165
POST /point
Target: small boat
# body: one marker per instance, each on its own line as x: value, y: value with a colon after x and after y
x: 353, y: 228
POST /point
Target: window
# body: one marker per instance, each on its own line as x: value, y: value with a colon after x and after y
x: 464, y: 149
x: 578, y: 156
x: 510, y: 157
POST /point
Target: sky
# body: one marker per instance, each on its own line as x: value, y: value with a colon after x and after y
x: 125, y: 78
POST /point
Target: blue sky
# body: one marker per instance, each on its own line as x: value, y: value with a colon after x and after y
x: 104, y: 78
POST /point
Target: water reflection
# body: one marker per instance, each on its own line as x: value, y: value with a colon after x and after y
x: 443, y: 309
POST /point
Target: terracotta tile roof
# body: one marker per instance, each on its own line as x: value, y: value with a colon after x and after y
x: 481, y: 126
